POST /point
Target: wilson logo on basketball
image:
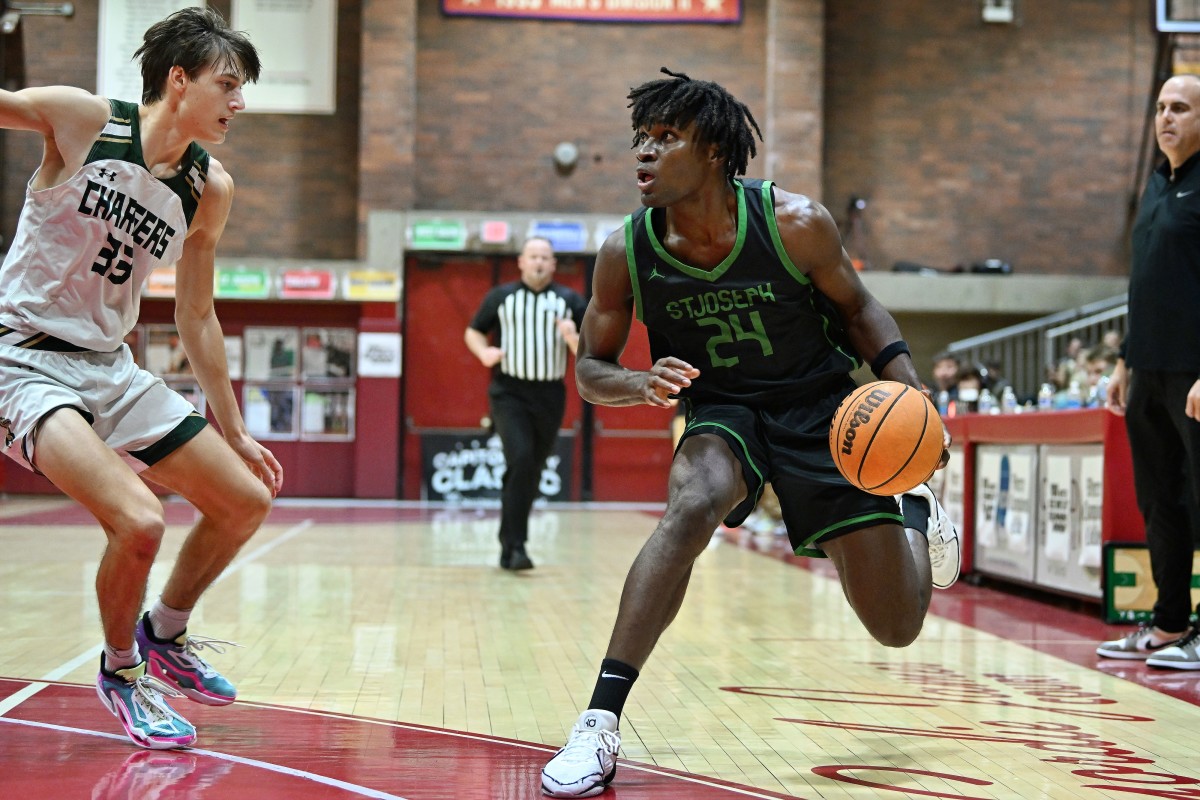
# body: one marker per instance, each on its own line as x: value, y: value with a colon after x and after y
x: 861, y: 416
x: 886, y: 437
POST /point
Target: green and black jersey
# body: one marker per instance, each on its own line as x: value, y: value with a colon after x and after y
x: 754, y: 325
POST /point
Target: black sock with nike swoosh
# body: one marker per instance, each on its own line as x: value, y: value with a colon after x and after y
x: 613, y: 685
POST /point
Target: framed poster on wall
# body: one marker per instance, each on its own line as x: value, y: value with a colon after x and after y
x: 163, y: 353
x: 271, y: 411
x: 271, y: 354
x: 298, y: 39
x: 327, y: 414
x: 328, y: 354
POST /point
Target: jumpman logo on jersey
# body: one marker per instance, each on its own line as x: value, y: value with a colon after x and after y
x: 7, y: 425
x: 107, y: 173
x: 654, y: 273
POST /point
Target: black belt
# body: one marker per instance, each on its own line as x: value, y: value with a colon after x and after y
x: 37, y: 341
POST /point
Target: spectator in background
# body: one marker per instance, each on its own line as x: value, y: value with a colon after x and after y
x: 944, y: 386
x: 945, y: 372
x: 1099, y: 364
x: 1154, y: 383
x: 1071, y: 366
x: 968, y: 386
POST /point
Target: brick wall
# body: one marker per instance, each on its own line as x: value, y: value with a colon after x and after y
x: 296, y: 176
x: 495, y: 97
x: 968, y: 140
x: 972, y: 140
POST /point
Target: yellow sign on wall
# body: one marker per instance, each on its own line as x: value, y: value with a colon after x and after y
x: 371, y: 284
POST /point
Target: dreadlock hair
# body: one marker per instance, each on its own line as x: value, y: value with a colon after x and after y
x: 720, y: 118
x: 193, y: 38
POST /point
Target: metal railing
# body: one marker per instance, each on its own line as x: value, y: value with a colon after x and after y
x: 1026, y: 353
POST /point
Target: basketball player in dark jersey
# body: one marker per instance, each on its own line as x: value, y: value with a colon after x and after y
x: 756, y: 319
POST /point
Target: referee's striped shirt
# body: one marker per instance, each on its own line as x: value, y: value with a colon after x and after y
x: 528, y: 325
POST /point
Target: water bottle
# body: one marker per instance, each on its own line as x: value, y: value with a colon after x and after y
x: 1102, y: 391
x: 1008, y: 401
x: 1074, y: 395
x: 987, y: 403
x: 1045, y: 399
x: 943, y: 402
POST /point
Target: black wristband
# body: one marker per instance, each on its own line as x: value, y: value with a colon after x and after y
x: 887, y: 354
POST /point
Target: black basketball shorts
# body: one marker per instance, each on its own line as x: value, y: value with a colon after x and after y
x: 789, y: 448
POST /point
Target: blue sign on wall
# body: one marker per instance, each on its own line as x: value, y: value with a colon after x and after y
x: 565, y: 237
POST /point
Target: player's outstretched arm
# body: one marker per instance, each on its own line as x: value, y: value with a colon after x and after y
x: 598, y: 374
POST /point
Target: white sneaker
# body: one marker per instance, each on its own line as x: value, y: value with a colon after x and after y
x: 1143, y: 643
x: 1183, y: 654
x: 945, y: 552
x: 588, y: 761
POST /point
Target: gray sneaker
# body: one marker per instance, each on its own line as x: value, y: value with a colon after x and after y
x: 1137, y: 645
x: 1180, y: 655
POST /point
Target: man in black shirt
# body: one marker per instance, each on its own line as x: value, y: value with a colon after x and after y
x: 1155, y: 382
x: 536, y: 319
x: 756, y: 319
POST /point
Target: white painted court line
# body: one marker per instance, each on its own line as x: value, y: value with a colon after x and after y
x: 21, y: 695
x: 35, y: 687
x: 744, y: 791
x: 249, y: 762
x: 93, y: 653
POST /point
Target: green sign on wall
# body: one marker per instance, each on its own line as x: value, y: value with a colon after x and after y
x: 439, y: 234
x: 243, y: 283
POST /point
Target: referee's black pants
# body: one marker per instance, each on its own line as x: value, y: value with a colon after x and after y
x: 526, y: 416
x: 1165, y: 445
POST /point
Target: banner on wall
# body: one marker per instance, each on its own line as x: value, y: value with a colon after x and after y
x: 710, y: 11
x: 122, y: 25
x: 297, y: 42
x: 469, y: 465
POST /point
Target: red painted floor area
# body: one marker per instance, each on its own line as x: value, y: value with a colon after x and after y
x: 61, y: 743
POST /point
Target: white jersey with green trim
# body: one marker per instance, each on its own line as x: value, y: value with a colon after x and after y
x: 84, y: 248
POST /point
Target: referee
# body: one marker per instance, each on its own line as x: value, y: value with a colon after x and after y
x: 536, y: 319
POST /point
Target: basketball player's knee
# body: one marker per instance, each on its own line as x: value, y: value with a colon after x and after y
x: 258, y: 506
x: 243, y: 510
x: 254, y: 507
x: 896, y: 630
x: 138, y: 532
x: 698, y: 510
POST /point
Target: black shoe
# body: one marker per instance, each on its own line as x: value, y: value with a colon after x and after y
x: 505, y: 557
x: 517, y: 560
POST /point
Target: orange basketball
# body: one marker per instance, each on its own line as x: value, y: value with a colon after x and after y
x: 886, y: 438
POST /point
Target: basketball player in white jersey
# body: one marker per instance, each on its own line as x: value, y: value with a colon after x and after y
x: 122, y: 189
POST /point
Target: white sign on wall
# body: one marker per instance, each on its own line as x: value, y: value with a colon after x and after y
x: 122, y: 26
x: 297, y: 44
x: 379, y: 355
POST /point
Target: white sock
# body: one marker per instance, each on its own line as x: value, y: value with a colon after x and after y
x: 167, y: 622
x: 115, y: 659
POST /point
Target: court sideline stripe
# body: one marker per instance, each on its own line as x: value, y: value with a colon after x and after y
x: 624, y: 764
x: 249, y: 762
